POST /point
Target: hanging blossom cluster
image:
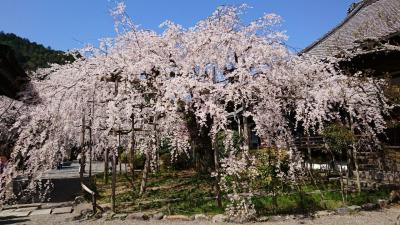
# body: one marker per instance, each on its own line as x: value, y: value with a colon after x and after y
x: 147, y: 78
x: 238, y: 173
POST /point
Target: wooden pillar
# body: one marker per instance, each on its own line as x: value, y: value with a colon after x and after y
x: 145, y: 174
x: 82, y: 160
x: 309, y: 153
x: 90, y: 150
x: 246, y: 133
x: 133, y: 150
x: 354, y: 151
x: 114, y: 180
x: 217, y: 178
x: 157, y: 143
x: 119, y: 151
x: 106, y: 166
x: 94, y: 203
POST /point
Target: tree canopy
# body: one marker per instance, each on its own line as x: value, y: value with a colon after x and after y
x: 32, y: 55
x: 200, y: 72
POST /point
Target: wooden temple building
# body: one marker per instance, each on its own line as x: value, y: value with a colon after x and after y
x: 368, y: 41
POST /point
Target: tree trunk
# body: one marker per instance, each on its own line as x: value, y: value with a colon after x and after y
x: 201, y: 144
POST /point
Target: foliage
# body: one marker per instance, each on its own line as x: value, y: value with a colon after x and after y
x: 31, y: 55
x: 273, y: 168
x: 338, y: 137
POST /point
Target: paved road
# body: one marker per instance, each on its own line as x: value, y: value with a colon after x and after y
x: 72, y: 171
x: 385, y: 217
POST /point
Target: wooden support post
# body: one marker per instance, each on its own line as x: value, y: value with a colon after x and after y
x: 309, y: 153
x: 94, y: 203
x: 82, y: 159
x: 106, y: 155
x: 354, y: 151
x: 246, y: 133
x: 145, y: 174
x: 90, y: 150
x: 119, y: 151
x: 157, y: 142
x: 132, y: 155
x: 217, y: 178
x: 114, y: 180
x: 342, y: 191
x: 93, y: 194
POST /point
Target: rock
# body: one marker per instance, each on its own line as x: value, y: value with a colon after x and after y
x: 157, y: 216
x: 323, y: 213
x: 394, y: 196
x: 343, y: 211
x: 98, y: 215
x: 85, y: 212
x: 293, y: 217
x: 178, y: 218
x: 41, y: 212
x: 106, y: 208
x: 263, y: 219
x: 5, y: 213
x: 79, y: 200
x: 108, y: 215
x: 276, y: 218
x: 370, y: 206
x: 62, y: 210
x: 219, y: 218
x: 20, y: 214
x: 382, y: 203
x: 354, y: 208
x: 200, y: 217
x: 26, y: 209
x: 120, y: 216
x: 238, y: 219
x: 138, y: 216
x: 299, y: 217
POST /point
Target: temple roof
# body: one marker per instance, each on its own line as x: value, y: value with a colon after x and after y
x: 366, y: 19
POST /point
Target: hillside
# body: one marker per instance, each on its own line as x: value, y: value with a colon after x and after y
x: 31, y: 55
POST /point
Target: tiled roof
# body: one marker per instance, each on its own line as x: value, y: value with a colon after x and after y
x: 370, y: 18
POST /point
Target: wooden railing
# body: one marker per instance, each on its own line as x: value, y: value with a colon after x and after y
x: 93, y: 194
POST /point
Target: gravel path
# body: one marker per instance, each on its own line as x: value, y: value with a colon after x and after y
x: 384, y: 217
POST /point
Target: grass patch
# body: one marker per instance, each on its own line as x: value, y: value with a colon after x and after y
x: 185, y: 192
x: 188, y: 193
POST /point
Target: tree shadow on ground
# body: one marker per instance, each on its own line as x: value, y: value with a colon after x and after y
x: 13, y: 220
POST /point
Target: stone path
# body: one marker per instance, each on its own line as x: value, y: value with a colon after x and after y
x: 66, y: 215
x: 26, y: 210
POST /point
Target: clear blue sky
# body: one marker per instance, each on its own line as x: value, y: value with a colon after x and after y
x: 64, y: 24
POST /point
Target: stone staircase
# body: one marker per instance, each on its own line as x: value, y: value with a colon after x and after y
x: 376, y: 172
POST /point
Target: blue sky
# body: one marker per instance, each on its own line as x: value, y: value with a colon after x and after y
x: 67, y: 24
